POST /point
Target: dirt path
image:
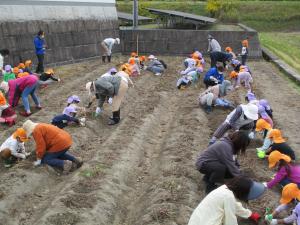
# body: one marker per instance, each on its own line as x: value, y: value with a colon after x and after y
x: 141, y: 171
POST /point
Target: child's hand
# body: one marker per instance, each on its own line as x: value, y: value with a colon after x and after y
x: 58, y: 79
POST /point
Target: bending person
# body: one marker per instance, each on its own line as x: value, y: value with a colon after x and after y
x: 52, y: 146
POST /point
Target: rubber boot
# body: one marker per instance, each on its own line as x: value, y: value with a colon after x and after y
x: 115, y: 119
x: 208, y: 109
x: 103, y: 58
x: 109, y: 58
x: 76, y: 164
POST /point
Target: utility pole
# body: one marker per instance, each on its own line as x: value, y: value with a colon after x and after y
x: 135, y: 14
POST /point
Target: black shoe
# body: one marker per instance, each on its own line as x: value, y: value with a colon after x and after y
x: 208, y: 109
x: 103, y: 58
x: 115, y: 119
x: 109, y: 58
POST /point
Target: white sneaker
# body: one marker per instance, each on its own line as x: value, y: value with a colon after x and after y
x: 157, y: 74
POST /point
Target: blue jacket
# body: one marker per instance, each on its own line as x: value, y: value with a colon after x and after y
x: 62, y: 120
x: 214, y: 72
x: 39, y: 45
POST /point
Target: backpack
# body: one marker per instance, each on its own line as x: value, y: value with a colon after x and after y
x: 163, y: 63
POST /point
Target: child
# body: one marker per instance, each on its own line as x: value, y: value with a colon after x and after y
x: 229, y: 50
x: 240, y: 77
x: 280, y: 144
x: 134, y: 63
x: 290, y: 193
x: 8, y: 74
x: 66, y: 118
x: 287, y: 172
x: 74, y: 100
x: 155, y: 66
x: 47, y: 78
x: 264, y: 103
x: 13, y: 148
x: 263, y: 114
x: 7, y: 114
x: 28, y: 64
x: 244, y: 53
x: 16, y: 71
x: 264, y: 127
x: 142, y: 60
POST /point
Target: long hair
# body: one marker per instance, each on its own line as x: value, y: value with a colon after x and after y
x: 240, y: 140
x: 240, y: 186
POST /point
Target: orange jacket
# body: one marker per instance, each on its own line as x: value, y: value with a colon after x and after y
x: 2, y: 99
x: 49, y: 138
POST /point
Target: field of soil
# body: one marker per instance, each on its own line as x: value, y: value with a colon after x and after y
x: 140, y: 172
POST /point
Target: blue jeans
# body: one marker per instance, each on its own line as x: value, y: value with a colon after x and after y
x: 286, y: 181
x: 56, y: 159
x: 29, y: 91
x: 156, y: 69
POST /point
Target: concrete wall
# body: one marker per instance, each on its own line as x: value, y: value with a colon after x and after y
x: 74, y: 28
x: 182, y: 42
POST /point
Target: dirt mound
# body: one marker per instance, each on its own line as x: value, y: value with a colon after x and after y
x: 142, y: 170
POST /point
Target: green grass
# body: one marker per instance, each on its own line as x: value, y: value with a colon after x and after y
x: 285, y: 45
x: 264, y: 16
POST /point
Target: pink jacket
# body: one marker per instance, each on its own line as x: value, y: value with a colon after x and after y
x: 17, y: 86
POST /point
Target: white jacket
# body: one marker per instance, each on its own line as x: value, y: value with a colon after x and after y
x: 17, y: 148
x: 219, y: 208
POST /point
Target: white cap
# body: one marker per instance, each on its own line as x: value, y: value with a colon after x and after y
x: 117, y: 40
x: 4, y: 86
x: 251, y: 111
x: 151, y: 57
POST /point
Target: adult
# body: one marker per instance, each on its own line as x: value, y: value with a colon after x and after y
x: 219, y: 160
x: 213, y: 45
x: 214, y: 76
x: 108, y: 87
x: 155, y: 66
x: 107, y: 45
x: 52, y: 146
x: 3, y: 53
x: 40, y: 48
x: 241, y: 118
x: 222, y: 57
x: 22, y: 87
x: 209, y: 97
x: 221, y: 206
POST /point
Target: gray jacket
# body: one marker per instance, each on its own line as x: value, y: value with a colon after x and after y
x: 222, y: 152
x: 106, y: 87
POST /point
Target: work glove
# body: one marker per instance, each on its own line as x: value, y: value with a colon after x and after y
x: 23, y: 156
x: 59, y: 80
x: 254, y: 217
x: 251, y: 135
x: 110, y: 100
x: 269, y: 218
x: 273, y: 222
x: 98, y: 111
x: 82, y: 121
x: 37, y: 162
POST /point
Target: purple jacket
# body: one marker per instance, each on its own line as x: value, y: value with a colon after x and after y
x: 294, y: 176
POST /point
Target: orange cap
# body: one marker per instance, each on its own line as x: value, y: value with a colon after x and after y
x: 233, y: 74
x: 2, y: 99
x: 28, y: 63
x: 126, y: 68
x: 20, y: 75
x: 276, y: 136
x: 16, y: 70
x: 49, y: 71
x: 21, y: 66
x: 290, y: 192
x: 228, y: 49
x: 133, y: 54
x: 261, y: 124
x: 195, y: 56
x: 131, y: 61
x: 20, y: 133
x: 143, y: 58
x: 276, y: 156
